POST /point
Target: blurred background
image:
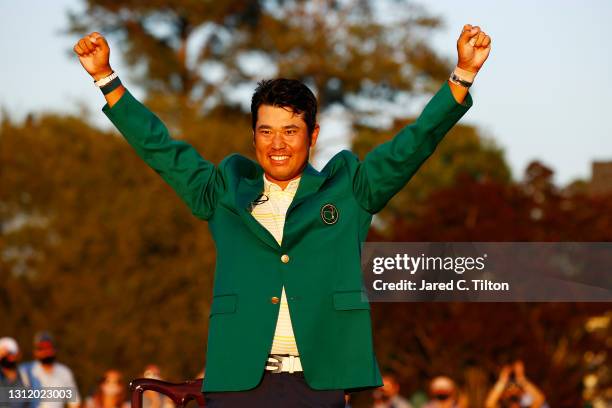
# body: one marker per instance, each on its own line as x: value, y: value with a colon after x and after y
x: 95, y: 248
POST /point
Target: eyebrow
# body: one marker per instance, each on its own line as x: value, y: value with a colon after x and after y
x: 284, y: 127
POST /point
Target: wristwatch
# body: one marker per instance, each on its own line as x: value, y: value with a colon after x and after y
x: 454, y: 78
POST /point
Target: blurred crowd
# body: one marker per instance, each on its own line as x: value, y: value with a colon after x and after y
x: 512, y: 390
x: 46, y: 371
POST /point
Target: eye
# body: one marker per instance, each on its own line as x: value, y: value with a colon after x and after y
x: 291, y: 131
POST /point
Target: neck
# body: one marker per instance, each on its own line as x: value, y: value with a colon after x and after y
x: 281, y: 183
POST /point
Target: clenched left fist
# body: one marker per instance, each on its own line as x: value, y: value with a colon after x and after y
x: 473, y: 48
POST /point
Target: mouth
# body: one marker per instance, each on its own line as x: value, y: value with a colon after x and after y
x: 279, y: 159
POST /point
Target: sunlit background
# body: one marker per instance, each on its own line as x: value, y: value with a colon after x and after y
x: 97, y: 249
x: 542, y: 94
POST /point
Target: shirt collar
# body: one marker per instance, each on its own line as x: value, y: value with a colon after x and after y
x: 291, y: 187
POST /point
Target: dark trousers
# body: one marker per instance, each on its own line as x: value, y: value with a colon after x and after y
x: 277, y: 390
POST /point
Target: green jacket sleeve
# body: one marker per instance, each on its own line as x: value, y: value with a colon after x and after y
x: 197, y: 181
x: 388, y: 167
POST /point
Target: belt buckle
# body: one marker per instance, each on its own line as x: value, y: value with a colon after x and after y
x: 278, y: 363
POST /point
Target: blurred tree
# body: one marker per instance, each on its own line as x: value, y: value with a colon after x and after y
x: 99, y: 250
x: 492, y: 209
x: 457, y: 339
x: 462, y: 152
x: 199, y: 55
x: 419, y: 341
x: 96, y: 248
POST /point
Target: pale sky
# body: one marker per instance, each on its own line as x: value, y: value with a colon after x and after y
x: 543, y: 93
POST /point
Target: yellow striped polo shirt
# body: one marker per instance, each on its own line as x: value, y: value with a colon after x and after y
x: 271, y: 214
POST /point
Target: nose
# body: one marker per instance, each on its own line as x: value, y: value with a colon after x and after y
x: 278, y: 141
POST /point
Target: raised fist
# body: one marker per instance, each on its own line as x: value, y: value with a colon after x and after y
x: 473, y: 48
x: 94, y: 53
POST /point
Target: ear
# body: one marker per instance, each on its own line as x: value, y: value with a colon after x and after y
x: 314, y: 136
x: 253, y: 137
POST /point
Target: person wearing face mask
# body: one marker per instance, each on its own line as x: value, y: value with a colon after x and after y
x: 110, y: 392
x: 443, y: 393
x: 388, y: 396
x: 45, y: 372
x: 9, y: 374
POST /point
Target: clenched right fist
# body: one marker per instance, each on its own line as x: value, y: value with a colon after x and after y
x: 94, y: 53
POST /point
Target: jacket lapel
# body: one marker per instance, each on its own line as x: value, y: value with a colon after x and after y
x: 249, y: 189
x: 309, y: 183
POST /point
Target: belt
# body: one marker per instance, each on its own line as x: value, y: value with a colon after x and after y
x: 278, y: 363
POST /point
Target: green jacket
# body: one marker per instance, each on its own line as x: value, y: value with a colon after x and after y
x: 329, y: 308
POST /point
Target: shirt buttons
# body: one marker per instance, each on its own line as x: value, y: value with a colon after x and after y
x: 274, y: 300
x: 285, y: 258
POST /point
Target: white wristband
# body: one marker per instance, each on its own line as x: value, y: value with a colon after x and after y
x: 104, y: 81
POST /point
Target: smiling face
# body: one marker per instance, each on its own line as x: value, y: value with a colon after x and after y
x: 281, y: 143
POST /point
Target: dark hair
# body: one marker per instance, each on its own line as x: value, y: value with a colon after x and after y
x: 286, y: 93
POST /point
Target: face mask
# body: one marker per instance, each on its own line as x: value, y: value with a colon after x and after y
x: 111, y: 389
x: 8, y: 364
x: 47, y: 360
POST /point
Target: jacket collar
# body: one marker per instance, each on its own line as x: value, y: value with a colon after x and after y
x: 249, y: 189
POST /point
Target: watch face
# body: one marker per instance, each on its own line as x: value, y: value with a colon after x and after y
x: 455, y: 79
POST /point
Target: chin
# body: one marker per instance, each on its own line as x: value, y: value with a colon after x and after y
x: 277, y: 171
x: 281, y: 176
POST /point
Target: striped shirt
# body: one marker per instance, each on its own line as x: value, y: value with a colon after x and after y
x: 271, y: 214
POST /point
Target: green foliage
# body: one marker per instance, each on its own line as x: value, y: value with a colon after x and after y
x: 339, y: 48
x: 96, y: 248
x: 99, y: 250
x: 462, y: 152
